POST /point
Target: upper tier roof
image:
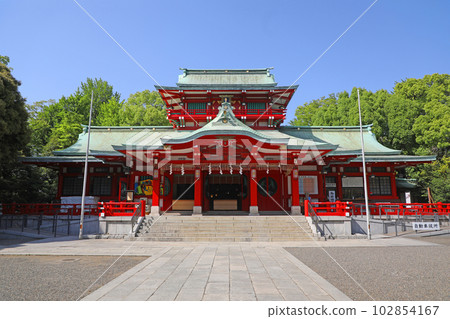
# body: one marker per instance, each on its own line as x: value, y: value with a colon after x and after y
x: 226, y: 78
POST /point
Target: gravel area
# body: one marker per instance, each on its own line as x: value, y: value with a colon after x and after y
x: 57, y: 277
x: 386, y: 273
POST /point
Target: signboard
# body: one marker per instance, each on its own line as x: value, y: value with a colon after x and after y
x: 331, y: 196
x: 408, y: 197
x: 425, y: 225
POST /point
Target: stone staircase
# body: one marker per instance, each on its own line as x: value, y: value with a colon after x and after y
x: 225, y: 228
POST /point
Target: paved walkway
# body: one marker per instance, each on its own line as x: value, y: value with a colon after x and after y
x: 206, y: 271
x: 219, y: 273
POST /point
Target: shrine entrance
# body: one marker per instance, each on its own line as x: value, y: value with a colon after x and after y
x: 227, y: 192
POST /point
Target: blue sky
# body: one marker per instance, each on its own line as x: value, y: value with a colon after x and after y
x: 54, y: 46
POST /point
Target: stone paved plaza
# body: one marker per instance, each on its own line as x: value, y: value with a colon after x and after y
x: 208, y: 271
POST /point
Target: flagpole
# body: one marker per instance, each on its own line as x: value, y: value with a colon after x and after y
x: 80, y: 236
x: 366, y: 197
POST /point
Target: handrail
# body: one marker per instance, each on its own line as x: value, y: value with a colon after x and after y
x: 309, y: 211
x: 140, y: 212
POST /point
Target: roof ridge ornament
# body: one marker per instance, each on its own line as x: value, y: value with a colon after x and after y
x: 225, y: 114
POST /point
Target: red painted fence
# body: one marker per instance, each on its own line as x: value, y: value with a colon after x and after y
x: 120, y: 208
x: 377, y: 209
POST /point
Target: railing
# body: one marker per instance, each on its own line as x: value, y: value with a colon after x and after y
x: 140, y: 212
x: 379, y: 209
x: 236, y: 112
x: 118, y: 208
x: 309, y: 211
x: 48, y: 209
x: 44, y: 218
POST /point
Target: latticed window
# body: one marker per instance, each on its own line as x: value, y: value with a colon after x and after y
x: 352, y: 188
x: 380, y: 185
x: 100, y: 186
x: 196, y: 108
x: 256, y: 108
x: 72, y: 186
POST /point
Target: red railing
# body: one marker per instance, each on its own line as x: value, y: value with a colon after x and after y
x: 215, y: 112
x: 120, y: 208
x: 377, y: 209
x: 48, y: 209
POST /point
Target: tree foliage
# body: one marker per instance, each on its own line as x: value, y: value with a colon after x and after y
x: 14, y: 132
x: 414, y: 118
x: 18, y: 182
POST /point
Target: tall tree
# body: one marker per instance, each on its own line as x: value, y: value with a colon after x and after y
x: 14, y: 132
x: 414, y: 118
x: 144, y: 108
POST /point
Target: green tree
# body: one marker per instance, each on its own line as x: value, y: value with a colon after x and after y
x: 436, y: 176
x: 144, y: 109
x: 414, y: 118
x: 14, y: 135
x: 4, y: 59
x: 14, y: 132
x: 109, y: 113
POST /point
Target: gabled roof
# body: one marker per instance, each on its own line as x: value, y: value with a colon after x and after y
x: 235, y: 78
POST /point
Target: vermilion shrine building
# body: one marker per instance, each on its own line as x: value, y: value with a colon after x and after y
x: 227, y: 151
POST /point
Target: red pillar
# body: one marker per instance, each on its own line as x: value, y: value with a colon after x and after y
x: 197, y: 210
x: 393, y: 185
x: 295, y: 205
x: 253, y: 193
x: 155, y: 194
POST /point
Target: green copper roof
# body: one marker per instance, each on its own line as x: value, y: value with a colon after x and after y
x: 406, y: 183
x: 104, y: 138
x: 60, y: 159
x: 396, y: 159
x: 105, y: 141
x: 243, y: 77
x: 348, y: 139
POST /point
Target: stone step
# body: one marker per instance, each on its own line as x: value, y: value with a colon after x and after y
x: 213, y: 234
x: 225, y: 228
x: 220, y: 239
x: 220, y: 227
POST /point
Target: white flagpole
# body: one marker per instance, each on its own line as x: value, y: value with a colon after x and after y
x: 80, y: 236
x: 366, y: 197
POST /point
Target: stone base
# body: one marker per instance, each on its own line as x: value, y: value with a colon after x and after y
x: 296, y: 210
x: 197, y: 210
x: 254, y: 211
x: 155, y: 211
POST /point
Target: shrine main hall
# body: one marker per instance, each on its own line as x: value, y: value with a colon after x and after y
x: 227, y: 150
